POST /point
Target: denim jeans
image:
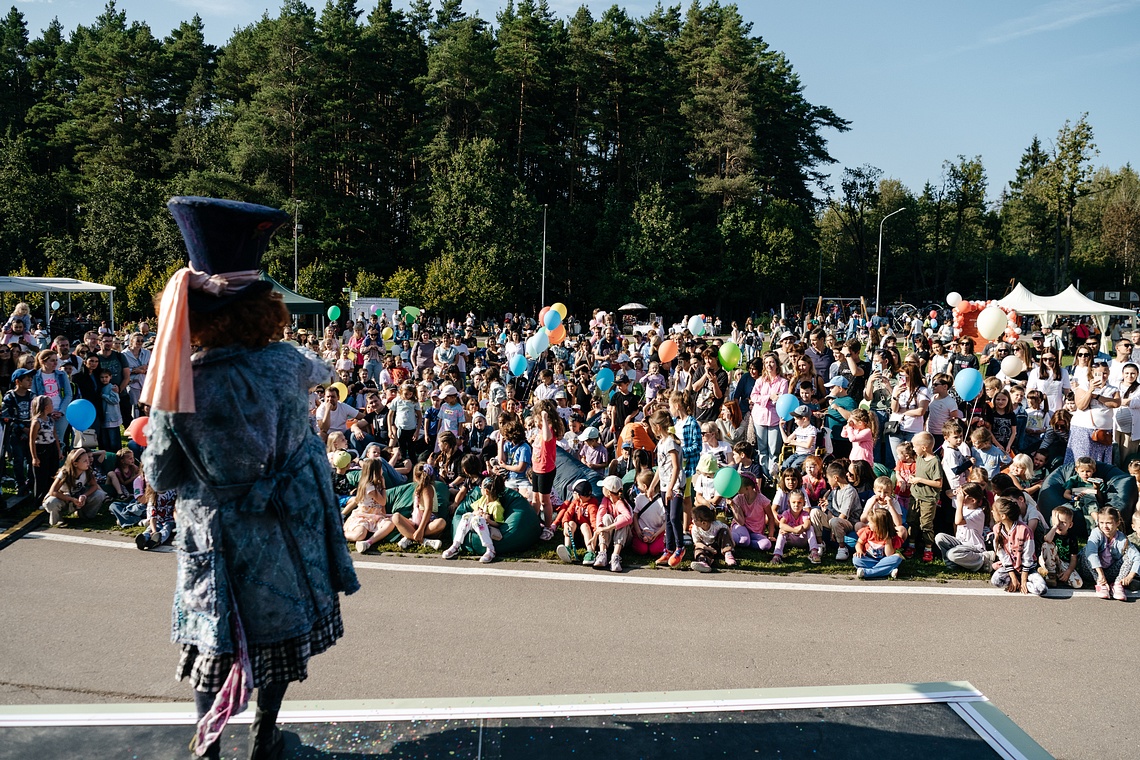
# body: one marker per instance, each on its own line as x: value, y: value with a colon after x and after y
x: 877, y: 568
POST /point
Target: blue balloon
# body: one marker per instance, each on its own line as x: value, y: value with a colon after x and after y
x: 552, y: 320
x: 502, y: 338
x: 518, y: 364
x: 604, y: 379
x: 968, y: 383
x: 786, y: 404
x: 80, y: 413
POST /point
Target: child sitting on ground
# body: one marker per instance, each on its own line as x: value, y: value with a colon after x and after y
x: 613, y: 521
x: 796, y: 529
x: 754, y: 522
x: 1016, y: 568
x: 121, y: 479
x: 789, y: 481
x: 704, y: 483
x: 368, y: 519
x: 425, y: 525
x: 814, y: 480
x: 876, y: 551
x: 1060, y: 551
x: 837, y: 511
x: 485, y: 517
x: 647, y: 534
x: 884, y: 499
x: 578, y: 514
x: 966, y: 549
x: 1109, y: 560
x: 160, y: 518
x: 711, y: 540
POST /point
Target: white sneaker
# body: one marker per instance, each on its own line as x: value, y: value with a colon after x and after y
x: 404, y: 543
x: 361, y: 547
x: 488, y: 557
x: 563, y: 552
x: 615, y: 563
x: 895, y: 574
x: 860, y: 573
x: 547, y: 534
x: 842, y: 555
x: 451, y: 552
x: 602, y: 559
x: 433, y: 543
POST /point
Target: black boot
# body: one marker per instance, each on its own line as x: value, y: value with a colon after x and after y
x: 203, y: 701
x: 265, y: 739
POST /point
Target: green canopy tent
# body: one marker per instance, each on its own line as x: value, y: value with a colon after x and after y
x: 295, y: 302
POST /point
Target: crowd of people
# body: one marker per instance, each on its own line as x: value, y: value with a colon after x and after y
x: 878, y: 462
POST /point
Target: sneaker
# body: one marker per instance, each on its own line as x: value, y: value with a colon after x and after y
x: 141, y: 542
x: 404, y: 543
x: 1076, y: 581
x: 730, y: 559
x: 488, y: 557
x: 451, y: 552
x: 547, y: 533
x: 687, y: 539
x: 860, y: 573
x: 563, y: 552
x: 908, y: 552
x: 361, y: 547
x: 676, y: 558
x: 700, y: 566
x: 814, y: 557
x: 433, y: 543
x: 928, y: 554
x: 1118, y: 592
x: 777, y: 559
x: 589, y: 558
x: 602, y: 559
x: 154, y: 542
x: 663, y: 560
x: 1102, y: 591
x: 894, y: 573
x: 842, y: 555
x: 615, y: 563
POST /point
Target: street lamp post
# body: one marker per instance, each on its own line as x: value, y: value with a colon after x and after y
x: 296, y: 232
x: 543, y: 256
x: 879, y: 268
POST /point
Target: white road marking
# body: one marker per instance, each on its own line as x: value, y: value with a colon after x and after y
x: 652, y: 578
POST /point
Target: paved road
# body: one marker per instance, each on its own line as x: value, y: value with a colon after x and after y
x: 84, y: 623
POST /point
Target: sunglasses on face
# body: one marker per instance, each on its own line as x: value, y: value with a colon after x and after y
x: 1083, y: 355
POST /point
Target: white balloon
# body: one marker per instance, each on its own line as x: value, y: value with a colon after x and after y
x: 953, y: 299
x: 991, y: 323
x: 1012, y: 365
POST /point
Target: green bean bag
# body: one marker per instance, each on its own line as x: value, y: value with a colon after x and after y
x: 521, y: 526
x: 1119, y: 491
x: 400, y: 500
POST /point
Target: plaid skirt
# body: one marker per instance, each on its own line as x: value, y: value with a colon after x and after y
x: 281, y: 661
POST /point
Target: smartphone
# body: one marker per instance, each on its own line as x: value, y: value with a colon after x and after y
x: 876, y: 367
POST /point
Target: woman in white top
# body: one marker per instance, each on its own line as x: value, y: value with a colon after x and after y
x: 1051, y: 379
x: 1093, y: 418
x: 1128, y: 413
x: 1082, y: 363
x: 909, y: 402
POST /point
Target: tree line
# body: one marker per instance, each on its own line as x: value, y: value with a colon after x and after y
x: 674, y: 159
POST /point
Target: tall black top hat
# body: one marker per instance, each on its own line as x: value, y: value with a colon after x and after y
x: 225, y: 236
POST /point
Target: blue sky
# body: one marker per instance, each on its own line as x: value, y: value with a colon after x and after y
x: 921, y: 82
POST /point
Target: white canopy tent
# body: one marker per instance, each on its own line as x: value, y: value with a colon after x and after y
x: 49, y: 285
x: 1068, y: 302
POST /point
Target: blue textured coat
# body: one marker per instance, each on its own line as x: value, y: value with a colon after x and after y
x: 258, y: 523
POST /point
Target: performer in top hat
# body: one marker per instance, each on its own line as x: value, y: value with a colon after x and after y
x: 261, y: 554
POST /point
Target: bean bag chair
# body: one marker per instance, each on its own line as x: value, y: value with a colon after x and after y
x: 400, y: 500
x: 1119, y: 491
x: 392, y: 479
x: 521, y: 526
x: 569, y: 469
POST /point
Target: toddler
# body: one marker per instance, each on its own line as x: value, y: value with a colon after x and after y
x: 796, y: 529
x: 876, y: 550
x: 1059, y: 551
x: 711, y: 540
x: 1080, y: 482
x: 21, y: 313
x: 955, y: 455
x: 485, y: 517
x: 1016, y: 567
x: 704, y: 483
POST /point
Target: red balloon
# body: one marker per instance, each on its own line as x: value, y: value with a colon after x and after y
x: 667, y: 351
x: 137, y: 430
x: 542, y: 315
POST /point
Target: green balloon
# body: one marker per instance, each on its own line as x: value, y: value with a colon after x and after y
x: 334, y: 312
x: 729, y: 356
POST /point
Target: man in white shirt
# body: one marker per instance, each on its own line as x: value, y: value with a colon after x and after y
x: 333, y: 416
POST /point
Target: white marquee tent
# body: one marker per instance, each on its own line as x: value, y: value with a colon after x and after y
x: 49, y: 285
x: 1068, y: 302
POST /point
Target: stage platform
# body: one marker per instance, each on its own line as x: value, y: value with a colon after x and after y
x: 946, y: 721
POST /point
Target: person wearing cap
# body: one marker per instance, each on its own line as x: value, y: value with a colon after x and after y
x: 838, y: 406
x: 612, y: 525
x: 594, y: 454
x: 452, y: 415
x: 261, y: 552
x: 623, y: 404
x: 17, y: 418
x: 802, y: 438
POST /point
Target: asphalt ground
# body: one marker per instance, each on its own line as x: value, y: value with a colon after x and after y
x: 84, y: 623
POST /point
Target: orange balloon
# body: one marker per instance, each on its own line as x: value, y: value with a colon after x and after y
x: 558, y: 335
x: 667, y: 351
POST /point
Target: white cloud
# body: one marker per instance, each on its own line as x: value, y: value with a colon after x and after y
x: 1054, y: 16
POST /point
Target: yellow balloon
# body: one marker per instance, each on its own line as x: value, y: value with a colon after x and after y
x: 341, y: 390
x: 386, y: 334
x: 560, y: 308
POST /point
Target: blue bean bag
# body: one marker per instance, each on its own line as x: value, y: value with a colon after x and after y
x: 569, y: 469
x: 520, y: 528
x: 1119, y: 491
